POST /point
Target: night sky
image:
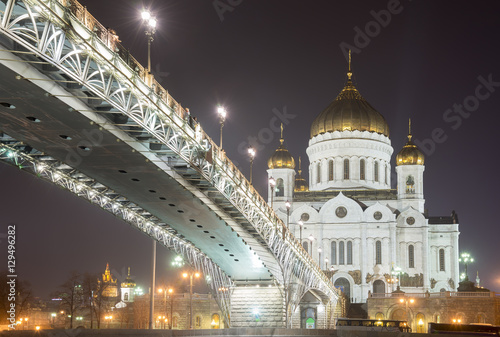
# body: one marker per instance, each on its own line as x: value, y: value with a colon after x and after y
x: 262, y: 59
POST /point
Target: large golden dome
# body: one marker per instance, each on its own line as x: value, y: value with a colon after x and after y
x: 349, y: 111
x: 410, y: 154
x: 281, y: 157
x: 300, y: 182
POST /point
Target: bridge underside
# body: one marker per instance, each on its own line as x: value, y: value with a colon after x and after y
x: 48, y: 124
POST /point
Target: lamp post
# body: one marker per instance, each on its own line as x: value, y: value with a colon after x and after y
x: 251, y: 153
x: 465, y: 258
x: 222, y: 118
x: 272, y: 184
x: 287, y: 205
x: 150, y: 22
x: 407, y: 302
x: 190, y: 275
x: 326, y: 263
x: 320, y: 250
x: 171, y: 321
x: 301, y: 224
x: 164, y: 292
x: 397, y: 272
x: 311, y: 238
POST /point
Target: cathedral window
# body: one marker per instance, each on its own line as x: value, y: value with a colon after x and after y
x: 411, y: 256
x: 346, y: 168
x: 330, y: 170
x: 349, y: 252
x: 280, y: 188
x: 376, y: 171
x: 341, y: 252
x: 378, y: 252
x: 386, y: 173
x: 125, y: 297
x: 333, y: 252
x: 441, y: 260
x: 362, y: 169
x: 305, y: 244
x: 318, y: 173
x: 197, y: 322
x: 410, y: 185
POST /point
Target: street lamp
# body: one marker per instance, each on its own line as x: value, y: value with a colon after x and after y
x: 108, y: 319
x: 407, y: 302
x: 222, y: 118
x: 272, y: 184
x: 465, y: 258
x: 251, y: 153
x: 311, y: 238
x: 150, y: 22
x: 301, y: 224
x: 319, y: 256
x: 397, y: 272
x: 169, y: 291
x: 287, y: 205
x: 186, y: 275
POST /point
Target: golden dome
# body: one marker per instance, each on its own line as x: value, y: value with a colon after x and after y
x: 349, y: 111
x: 128, y: 283
x: 300, y: 183
x: 410, y: 154
x: 281, y: 157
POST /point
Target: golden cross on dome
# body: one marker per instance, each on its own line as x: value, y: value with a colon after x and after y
x: 409, y: 129
x: 349, y: 73
x: 281, y: 139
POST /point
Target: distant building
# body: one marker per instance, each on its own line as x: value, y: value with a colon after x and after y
x: 128, y: 288
x: 108, y: 284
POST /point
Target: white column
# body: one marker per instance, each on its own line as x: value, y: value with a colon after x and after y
x: 425, y: 257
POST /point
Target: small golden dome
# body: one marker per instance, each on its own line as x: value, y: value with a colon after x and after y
x: 128, y: 283
x: 300, y: 183
x: 281, y: 157
x: 410, y: 154
x: 349, y: 111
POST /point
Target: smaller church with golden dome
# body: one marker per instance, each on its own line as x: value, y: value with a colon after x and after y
x: 368, y: 237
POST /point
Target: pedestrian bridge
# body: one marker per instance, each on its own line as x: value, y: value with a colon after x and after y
x: 78, y: 110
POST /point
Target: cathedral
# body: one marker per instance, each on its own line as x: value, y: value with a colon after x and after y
x: 366, y: 236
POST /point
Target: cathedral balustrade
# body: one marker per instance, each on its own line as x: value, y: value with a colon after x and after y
x: 436, y: 295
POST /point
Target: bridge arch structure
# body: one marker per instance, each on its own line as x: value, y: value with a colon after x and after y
x: 88, y: 116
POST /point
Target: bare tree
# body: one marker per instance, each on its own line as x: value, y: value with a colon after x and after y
x: 89, y: 284
x: 14, y: 291
x: 71, y: 295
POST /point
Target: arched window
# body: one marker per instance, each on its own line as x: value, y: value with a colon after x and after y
x: 411, y: 256
x: 346, y: 168
x: 125, y: 297
x: 386, y: 173
x: 480, y: 318
x: 197, y: 322
x: 378, y: 252
x: 376, y: 171
x: 341, y: 252
x: 305, y: 244
x: 330, y: 170
x: 280, y: 187
x: 379, y: 316
x: 318, y: 173
x: 349, y: 252
x: 362, y: 169
x: 378, y: 287
x: 333, y: 249
x: 343, y: 284
x: 420, y: 323
x: 215, y: 323
x: 441, y: 260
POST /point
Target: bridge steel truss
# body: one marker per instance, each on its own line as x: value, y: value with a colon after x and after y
x: 62, y: 34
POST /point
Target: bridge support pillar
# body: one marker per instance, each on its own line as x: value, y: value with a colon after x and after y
x: 257, y: 306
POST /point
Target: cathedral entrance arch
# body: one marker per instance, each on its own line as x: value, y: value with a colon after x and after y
x: 308, y: 317
x: 378, y: 287
x: 343, y: 284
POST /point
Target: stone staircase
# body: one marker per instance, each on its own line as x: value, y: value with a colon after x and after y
x: 257, y: 307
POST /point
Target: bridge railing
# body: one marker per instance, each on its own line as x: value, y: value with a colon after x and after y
x: 111, y: 40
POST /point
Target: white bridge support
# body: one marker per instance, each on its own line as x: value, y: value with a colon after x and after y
x: 60, y: 39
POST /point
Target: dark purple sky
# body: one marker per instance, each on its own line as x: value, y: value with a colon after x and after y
x: 268, y: 56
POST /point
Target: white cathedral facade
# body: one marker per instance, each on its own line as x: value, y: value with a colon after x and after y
x: 367, y: 237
